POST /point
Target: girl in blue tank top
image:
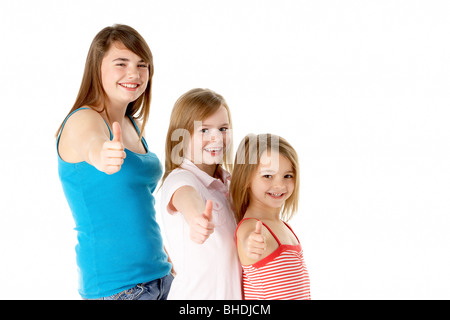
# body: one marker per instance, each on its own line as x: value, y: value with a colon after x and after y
x: 108, y: 173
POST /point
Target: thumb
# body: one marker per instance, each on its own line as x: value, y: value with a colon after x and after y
x: 117, y: 132
x: 208, y: 210
x: 258, y: 227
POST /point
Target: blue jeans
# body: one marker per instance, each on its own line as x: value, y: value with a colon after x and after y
x: 154, y: 290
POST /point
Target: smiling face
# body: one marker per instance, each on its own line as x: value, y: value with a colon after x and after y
x: 124, y: 75
x: 273, y: 182
x: 209, y: 140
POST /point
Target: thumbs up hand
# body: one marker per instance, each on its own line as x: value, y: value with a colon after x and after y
x: 256, y: 243
x: 113, y: 152
x: 202, y: 226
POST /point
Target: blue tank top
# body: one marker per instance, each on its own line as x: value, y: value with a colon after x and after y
x: 119, y: 241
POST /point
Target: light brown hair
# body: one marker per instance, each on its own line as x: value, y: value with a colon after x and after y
x: 91, y: 92
x: 195, y: 105
x: 246, y: 162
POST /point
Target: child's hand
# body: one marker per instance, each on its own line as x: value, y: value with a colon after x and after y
x: 256, y: 243
x: 113, y: 152
x: 202, y: 226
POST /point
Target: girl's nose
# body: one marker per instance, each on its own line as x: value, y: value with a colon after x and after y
x: 133, y: 73
x: 215, y: 135
x: 279, y: 184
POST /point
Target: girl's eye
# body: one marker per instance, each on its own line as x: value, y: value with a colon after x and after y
x: 268, y: 176
x: 204, y: 130
x: 120, y: 64
x: 143, y: 66
x: 289, y: 176
x: 223, y: 129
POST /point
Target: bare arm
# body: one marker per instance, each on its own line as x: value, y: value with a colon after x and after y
x: 86, y: 138
x: 251, y: 242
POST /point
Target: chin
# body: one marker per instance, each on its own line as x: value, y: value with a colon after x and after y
x: 208, y: 159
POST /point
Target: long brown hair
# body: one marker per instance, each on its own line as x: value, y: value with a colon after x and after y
x: 246, y: 162
x: 195, y: 105
x: 91, y: 91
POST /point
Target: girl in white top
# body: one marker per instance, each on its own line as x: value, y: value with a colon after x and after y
x: 198, y: 218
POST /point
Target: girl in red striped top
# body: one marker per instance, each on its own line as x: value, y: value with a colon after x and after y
x: 265, y: 191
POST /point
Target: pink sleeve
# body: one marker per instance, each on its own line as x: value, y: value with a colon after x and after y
x: 174, y: 181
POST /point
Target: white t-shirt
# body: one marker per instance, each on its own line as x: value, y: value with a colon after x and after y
x: 204, y: 271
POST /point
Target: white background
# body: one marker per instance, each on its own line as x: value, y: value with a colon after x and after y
x: 360, y: 88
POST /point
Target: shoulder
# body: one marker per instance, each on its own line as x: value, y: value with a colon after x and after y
x: 177, y: 179
x: 180, y: 174
x: 85, y: 119
x: 84, y: 112
x: 245, y: 227
x: 80, y: 127
x: 179, y: 184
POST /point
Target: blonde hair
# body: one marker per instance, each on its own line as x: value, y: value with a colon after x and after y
x: 91, y: 91
x: 247, y: 161
x: 195, y: 105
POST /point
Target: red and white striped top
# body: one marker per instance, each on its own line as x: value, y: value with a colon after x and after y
x: 282, y: 275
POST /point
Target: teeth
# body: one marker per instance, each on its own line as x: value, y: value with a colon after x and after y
x: 276, y: 194
x: 128, y: 85
x: 213, y: 149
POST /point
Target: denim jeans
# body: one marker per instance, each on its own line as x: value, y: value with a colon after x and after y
x: 154, y: 290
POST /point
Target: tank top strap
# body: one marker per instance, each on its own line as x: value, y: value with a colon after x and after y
x: 291, y: 231
x: 271, y: 232
x: 65, y: 120
x: 139, y: 132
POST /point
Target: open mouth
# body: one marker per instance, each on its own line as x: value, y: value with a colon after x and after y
x: 276, y: 195
x: 130, y: 86
x: 214, y: 150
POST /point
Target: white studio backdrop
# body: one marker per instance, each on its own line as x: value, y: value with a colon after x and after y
x: 360, y: 88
